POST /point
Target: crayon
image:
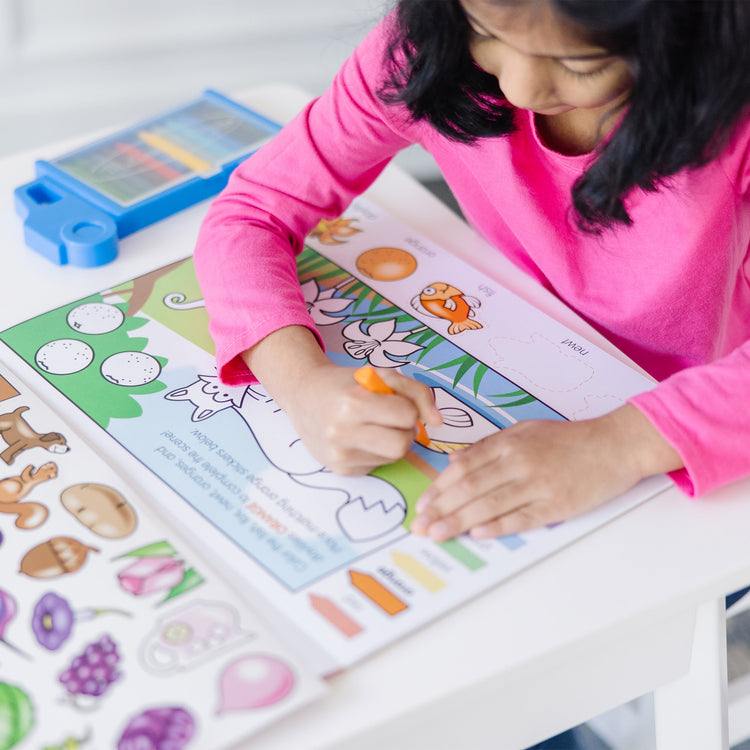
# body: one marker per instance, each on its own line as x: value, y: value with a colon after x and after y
x: 82, y: 168
x: 220, y: 120
x: 193, y: 134
x: 177, y: 135
x: 128, y: 173
x: 183, y: 156
x: 152, y: 164
x: 220, y: 132
x: 368, y: 378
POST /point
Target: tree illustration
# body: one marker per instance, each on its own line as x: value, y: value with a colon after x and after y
x: 88, y: 388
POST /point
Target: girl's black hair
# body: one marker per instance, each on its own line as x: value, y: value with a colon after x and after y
x: 691, y: 68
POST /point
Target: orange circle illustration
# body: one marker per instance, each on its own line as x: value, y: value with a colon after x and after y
x: 386, y: 263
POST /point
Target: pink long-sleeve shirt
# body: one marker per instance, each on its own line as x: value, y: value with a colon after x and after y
x: 672, y: 291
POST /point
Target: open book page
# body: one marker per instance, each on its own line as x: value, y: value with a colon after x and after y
x: 114, y: 631
x: 330, y: 557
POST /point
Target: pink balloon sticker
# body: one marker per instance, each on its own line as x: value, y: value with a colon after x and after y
x: 254, y: 681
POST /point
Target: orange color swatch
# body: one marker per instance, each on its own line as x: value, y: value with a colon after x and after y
x: 377, y: 593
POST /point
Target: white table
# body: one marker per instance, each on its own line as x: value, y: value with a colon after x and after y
x: 637, y: 606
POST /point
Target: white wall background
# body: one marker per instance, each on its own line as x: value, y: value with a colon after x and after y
x: 74, y: 66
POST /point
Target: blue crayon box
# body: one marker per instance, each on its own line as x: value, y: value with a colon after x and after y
x: 83, y: 202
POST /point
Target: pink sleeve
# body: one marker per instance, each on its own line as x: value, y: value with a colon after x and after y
x: 704, y: 413
x: 247, y: 245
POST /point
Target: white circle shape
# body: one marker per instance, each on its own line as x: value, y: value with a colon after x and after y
x: 95, y: 318
x: 130, y: 368
x: 64, y: 356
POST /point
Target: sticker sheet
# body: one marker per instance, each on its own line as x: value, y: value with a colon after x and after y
x: 114, y: 633
x: 331, y: 558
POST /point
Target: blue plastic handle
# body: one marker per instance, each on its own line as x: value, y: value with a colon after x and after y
x: 64, y: 228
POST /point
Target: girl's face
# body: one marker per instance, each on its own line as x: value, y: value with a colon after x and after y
x: 542, y: 61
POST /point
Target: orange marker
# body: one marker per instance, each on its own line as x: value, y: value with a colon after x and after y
x: 368, y: 377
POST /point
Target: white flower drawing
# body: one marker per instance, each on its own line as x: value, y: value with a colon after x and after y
x: 378, y: 342
x: 322, y: 305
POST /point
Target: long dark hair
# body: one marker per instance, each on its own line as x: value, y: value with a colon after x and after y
x: 691, y: 68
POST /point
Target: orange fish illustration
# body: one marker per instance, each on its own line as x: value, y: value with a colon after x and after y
x: 445, y: 301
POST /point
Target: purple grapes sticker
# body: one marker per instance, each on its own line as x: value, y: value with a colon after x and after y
x: 93, y: 671
x: 167, y: 728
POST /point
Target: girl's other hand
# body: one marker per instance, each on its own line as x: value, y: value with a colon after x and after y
x: 540, y: 472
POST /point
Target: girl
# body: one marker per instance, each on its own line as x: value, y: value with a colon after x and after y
x: 604, y: 146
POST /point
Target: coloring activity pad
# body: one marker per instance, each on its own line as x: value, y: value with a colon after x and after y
x: 329, y: 558
x: 111, y: 626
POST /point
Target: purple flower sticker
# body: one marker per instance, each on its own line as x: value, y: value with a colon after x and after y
x: 53, y: 619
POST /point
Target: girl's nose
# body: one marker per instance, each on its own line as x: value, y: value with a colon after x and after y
x: 523, y: 79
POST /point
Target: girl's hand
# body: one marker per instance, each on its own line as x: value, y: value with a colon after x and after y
x: 352, y: 431
x: 347, y: 428
x: 540, y: 472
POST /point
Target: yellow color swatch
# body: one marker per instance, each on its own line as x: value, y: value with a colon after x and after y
x: 420, y: 573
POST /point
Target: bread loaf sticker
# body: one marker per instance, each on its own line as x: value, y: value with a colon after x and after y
x: 101, y: 509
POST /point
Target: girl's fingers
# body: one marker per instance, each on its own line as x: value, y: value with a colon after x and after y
x: 419, y: 394
x: 472, y: 472
x: 363, y: 408
x: 447, y: 526
x: 477, y: 511
x: 368, y: 446
x: 367, y: 427
x: 505, y: 510
x: 523, y: 518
